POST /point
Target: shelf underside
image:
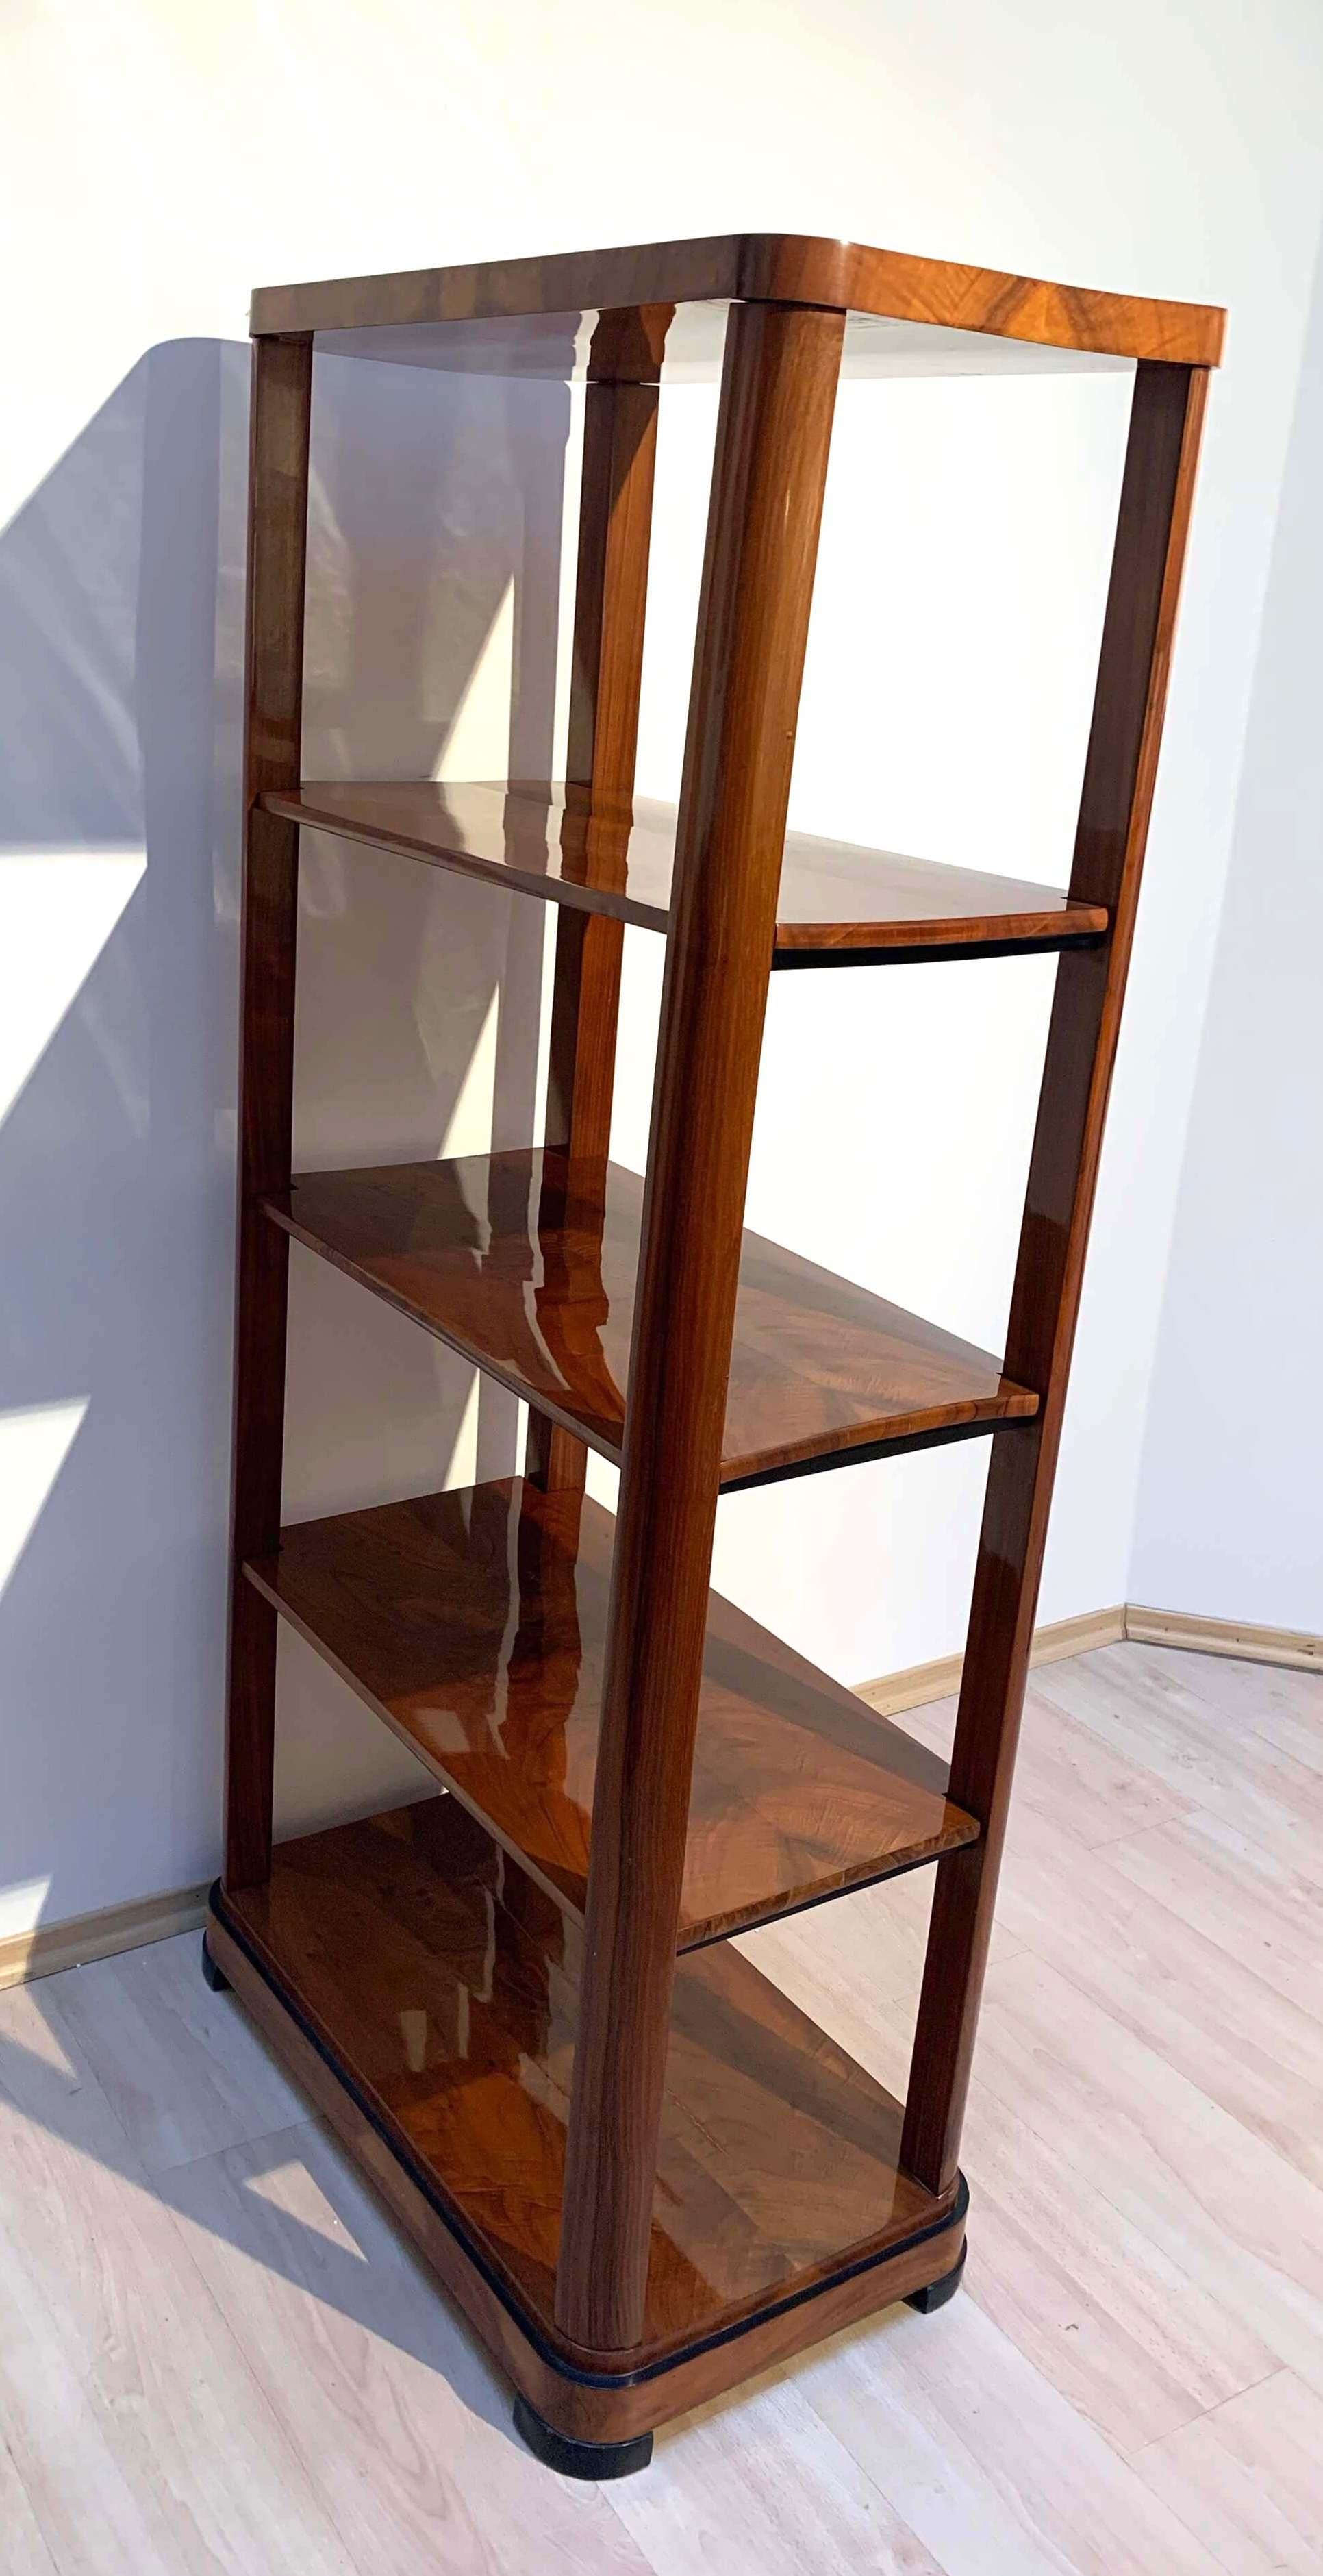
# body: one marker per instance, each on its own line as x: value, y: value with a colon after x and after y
x: 557, y: 348
x: 526, y: 1262
x: 836, y: 902
x: 474, y: 1623
x: 445, y: 1986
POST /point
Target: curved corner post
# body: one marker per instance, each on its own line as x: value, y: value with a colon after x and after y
x: 277, y: 554
x: 773, y: 435
x: 1121, y: 763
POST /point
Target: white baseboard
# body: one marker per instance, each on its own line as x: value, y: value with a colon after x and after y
x: 52, y: 1946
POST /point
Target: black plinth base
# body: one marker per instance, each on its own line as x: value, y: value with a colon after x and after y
x: 938, y: 2292
x: 212, y: 1975
x: 579, y: 2459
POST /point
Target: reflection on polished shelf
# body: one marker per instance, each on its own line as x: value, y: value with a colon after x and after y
x: 476, y: 1624
x: 835, y: 903
x: 642, y: 2172
x: 527, y: 1263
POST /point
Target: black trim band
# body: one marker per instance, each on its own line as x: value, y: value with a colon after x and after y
x: 864, y: 1456
x: 934, y: 952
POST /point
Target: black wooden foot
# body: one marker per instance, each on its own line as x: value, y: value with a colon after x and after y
x: 215, y: 1977
x: 579, y: 2459
x: 936, y: 2294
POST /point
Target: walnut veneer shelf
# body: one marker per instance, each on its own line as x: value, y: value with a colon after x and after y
x: 527, y: 1263
x: 475, y: 1624
x: 837, y: 903
x: 641, y: 2171
x: 448, y: 1986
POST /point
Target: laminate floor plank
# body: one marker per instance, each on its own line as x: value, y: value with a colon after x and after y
x: 217, y: 2353
x: 1230, y: 2212
x: 762, y: 2486
x: 1240, y: 1894
x: 986, y: 2460
x: 138, y: 2432
x: 1166, y: 1720
x: 1205, y: 2012
x: 1262, y: 1693
x: 184, y: 2072
x: 26, y: 2553
x: 1248, y: 2478
x: 842, y: 1982
x: 1100, y: 2308
x: 376, y: 2383
x: 1087, y: 1788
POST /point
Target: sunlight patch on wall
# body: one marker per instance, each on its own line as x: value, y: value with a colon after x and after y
x: 57, y: 910
x: 463, y: 1467
x: 22, y: 1906
x: 469, y: 1126
x: 477, y: 743
x: 34, y: 1444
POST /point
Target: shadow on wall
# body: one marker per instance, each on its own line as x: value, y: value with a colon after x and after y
x: 435, y: 531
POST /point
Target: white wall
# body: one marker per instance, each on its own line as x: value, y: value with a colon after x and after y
x: 1230, y: 1521
x: 157, y: 163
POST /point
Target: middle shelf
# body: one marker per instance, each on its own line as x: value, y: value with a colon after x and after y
x: 526, y: 1262
x: 474, y: 1623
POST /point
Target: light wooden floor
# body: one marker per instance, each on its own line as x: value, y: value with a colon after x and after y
x: 216, y: 2354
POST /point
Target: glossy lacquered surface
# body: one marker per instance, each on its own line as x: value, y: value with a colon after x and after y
x: 447, y: 1987
x: 555, y: 842
x: 792, y: 268
x: 1120, y: 769
x: 475, y: 1623
x: 527, y: 1263
x: 280, y: 423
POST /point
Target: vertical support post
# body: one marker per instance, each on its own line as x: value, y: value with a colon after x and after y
x: 277, y: 551
x: 610, y: 601
x: 773, y: 433
x: 1120, y: 767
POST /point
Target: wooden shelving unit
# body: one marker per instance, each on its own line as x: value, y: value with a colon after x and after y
x: 643, y: 2173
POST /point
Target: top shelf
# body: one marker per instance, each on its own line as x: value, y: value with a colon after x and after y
x: 838, y: 904
x: 987, y: 315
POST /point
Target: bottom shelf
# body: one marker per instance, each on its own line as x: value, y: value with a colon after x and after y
x: 440, y: 1985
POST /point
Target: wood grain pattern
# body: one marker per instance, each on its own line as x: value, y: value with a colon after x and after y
x: 773, y: 434
x: 474, y: 1623
x: 448, y: 1987
x: 1088, y: 2332
x: 612, y: 2404
x: 130, y: 2414
x: 767, y: 267
x: 529, y: 1264
x: 615, y: 523
x: 1246, y: 2479
x: 834, y: 899
x: 373, y: 2378
x: 278, y: 508
x: 1157, y: 489
x: 630, y: 2152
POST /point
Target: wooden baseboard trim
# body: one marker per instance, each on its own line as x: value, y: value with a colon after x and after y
x: 914, y: 1688
x: 1293, y: 1647
x: 52, y: 1946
